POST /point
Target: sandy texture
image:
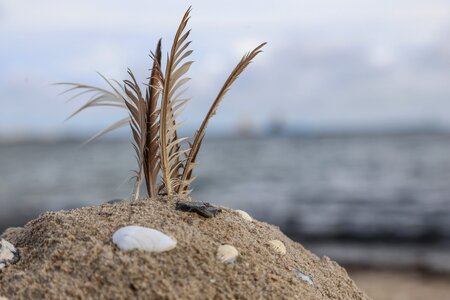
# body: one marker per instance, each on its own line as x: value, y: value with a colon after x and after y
x: 402, y: 285
x: 70, y: 255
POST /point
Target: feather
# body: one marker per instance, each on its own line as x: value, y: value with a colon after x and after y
x: 176, y: 68
x: 152, y: 116
x: 151, y: 156
x: 137, y: 108
x: 185, y: 179
x: 119, y: 124
x: 100, y: 97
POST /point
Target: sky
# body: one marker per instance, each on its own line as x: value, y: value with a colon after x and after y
x: 328, y: 64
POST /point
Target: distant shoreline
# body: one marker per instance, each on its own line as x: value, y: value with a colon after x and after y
x: 73, y: 137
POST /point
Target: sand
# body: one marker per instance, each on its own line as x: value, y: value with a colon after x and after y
x: 70, y: 255
x: 402, y: 284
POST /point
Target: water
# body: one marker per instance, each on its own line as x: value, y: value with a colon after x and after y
x: 378, y: 197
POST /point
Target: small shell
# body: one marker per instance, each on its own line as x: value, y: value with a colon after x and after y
x: 277, y: 246
x: 11, y: 232
x: 3, y: 298
x: 8, y: 254
x: 304, y: 277
x: 142, y: 238
x: 244, y: 215
x: 227, y: 254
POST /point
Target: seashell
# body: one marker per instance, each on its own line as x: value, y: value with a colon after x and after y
x: 143, y: 238
x: 304, y: 277
x: 11, y: 232
x: 8, y: 254
x: 227, y: 254
x: 244, y: 215
x: 3, y: 298
x: 277, y: 246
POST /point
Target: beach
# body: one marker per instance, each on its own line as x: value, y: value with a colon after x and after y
x: 70, y: 254
x: 401, y: 284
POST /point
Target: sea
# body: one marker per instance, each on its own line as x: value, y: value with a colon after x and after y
x: 365, y: 200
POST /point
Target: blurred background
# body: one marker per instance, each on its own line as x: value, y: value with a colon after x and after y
x: 339, y: 133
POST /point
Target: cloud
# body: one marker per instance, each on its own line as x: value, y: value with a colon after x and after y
x: 327, y: 63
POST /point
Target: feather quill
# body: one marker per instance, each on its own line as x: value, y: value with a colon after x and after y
x: 186, y: 177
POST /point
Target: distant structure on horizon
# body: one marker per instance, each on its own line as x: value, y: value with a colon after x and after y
x: 246, y: 127
x: 276, y: 127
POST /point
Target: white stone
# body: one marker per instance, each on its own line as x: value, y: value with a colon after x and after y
x: 143, y: 238
x: 227, y: 254
x: 8, y: 253
x: 244, y: 215
x: 277, y: 246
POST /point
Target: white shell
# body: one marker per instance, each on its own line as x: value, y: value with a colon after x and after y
x: 244, y: 215
x: 3, y: 298
x: 304, y: 277
x: 277, y: 246
x: 8, y: 253
x: 143, y: 238
x: 227, y: 254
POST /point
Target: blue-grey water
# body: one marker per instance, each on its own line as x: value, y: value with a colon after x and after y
x: 375, y: 199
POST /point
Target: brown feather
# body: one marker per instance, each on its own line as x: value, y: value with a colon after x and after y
x: 170, y: 153
x: 100, y: 97
x: 190, y: 162
x: 158, y: 147
x: 137, y: 108
x: 151, y: 156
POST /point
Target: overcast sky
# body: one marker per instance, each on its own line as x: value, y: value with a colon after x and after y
x: 331, y: 64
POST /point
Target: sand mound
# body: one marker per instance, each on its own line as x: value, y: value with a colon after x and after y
x: 69, y: 254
